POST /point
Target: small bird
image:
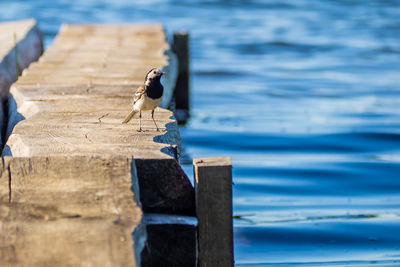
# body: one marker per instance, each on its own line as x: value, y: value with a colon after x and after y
x: 147, y: 96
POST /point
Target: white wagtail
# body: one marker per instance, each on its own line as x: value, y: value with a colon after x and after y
x: 147, y: 96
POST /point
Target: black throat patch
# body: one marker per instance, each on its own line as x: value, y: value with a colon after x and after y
x: 155, y: 89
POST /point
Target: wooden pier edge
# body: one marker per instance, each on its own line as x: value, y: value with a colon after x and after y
x: 213, y: 187
x: 20, y: 44
x: 182, y: 87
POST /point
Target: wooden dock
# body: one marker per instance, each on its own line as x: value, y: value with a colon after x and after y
x: 78, y: 187
x: 72, y: 102
x: 80, y: 91
x: 72, y: 173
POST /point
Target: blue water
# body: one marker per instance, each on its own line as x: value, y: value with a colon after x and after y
x: 304, y: 96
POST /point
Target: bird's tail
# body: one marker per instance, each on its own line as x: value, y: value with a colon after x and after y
x: 129, y: 116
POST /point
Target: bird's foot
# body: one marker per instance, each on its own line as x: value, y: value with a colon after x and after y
x: 140, y: 130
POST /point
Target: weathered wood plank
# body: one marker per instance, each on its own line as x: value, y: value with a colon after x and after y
x: 213, y: 185
x: 70, y: 211
x: 29, y: 48
x: 27, y: 38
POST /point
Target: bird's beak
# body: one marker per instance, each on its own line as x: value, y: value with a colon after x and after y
x: 163, y: 73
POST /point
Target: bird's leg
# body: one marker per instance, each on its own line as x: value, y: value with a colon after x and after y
x: 152, y: 116
x: 140, y: 121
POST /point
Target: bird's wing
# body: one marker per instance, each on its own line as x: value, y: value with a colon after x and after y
x: 139, y: 93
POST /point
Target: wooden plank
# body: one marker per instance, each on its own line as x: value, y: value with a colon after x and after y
x: 29, y: 44
x: 213, y: 186
x: 20, y: 44
x: 70, y: 211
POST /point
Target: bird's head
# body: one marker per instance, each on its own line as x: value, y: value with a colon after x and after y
x: 154, y: 74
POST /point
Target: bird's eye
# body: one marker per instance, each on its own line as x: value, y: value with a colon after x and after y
x: 154, y: 72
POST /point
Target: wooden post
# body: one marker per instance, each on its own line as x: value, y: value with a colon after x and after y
x: 181, y: 93
x: 213, y: 186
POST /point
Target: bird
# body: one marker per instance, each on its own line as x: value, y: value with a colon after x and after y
x: 147, y: 97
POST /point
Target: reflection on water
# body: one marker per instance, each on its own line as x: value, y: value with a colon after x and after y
x: 304, y: 96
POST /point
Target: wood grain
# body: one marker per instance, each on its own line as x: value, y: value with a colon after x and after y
x: 27, y: 38
x: 70, y: 211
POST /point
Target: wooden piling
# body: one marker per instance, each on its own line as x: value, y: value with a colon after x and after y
x: 213, y: 186
x: 181, y: 93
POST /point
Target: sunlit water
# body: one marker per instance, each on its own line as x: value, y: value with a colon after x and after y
x: 304, y: 96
